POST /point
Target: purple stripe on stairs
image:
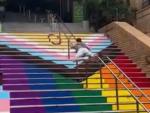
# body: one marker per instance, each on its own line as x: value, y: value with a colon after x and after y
x: 13, y: 71
x: 8, y: 65
x: 26, y: 102
x: 28, y: 110
x: 23, y: 81
x: 24, y: 94
x: 14, y: 87
x: 11, y: 61
x: 12, y: 74
x: 8, y: 60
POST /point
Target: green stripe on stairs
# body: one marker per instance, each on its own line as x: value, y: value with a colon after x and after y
x: 82, y: 93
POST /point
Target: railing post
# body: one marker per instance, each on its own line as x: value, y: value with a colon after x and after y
x: 24, y: 10
x: 101, y: 77
x: 59, y: 28
x: 68, y: 48
x: 137, y: 107
x: 122, y: 83
x: 29, y: 14
x: 35, y: 18
x: 77, y: 66
x: 117, y: 94
x: 86, y: 74
x: 0, y: 27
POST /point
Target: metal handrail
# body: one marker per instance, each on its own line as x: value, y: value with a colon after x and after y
x: 129, y: 79
x: 124, y: 86
x: 68, y: 38
x: 66, y: 27
x: 60, y: 20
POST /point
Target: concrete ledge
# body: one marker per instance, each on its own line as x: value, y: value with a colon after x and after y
x: 132, y: 41
x: 43, y: 27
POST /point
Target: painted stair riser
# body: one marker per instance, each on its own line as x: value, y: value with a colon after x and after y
x: 47, y: 75
x: 136, y: 74
x: 75, y: 108
x: 122, y: 57
x: 28, y: 81
x: 124, y: 65
x: 140, y: 79
x: 129, y: 107
x: 25, y: 71
x: 121, y: 99
x: 106, y: 86
x: 41, y: 87
x: 131, y: 70
x: 53, y: 101
x: 123, y: 61
x: 42, y: 102
x: 29, y: 87
x: 31, y: 94
x: 105, y: 80
x: 124, y: 69
x: 143, y: 85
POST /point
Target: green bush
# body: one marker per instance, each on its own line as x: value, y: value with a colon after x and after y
x: 102, y: 12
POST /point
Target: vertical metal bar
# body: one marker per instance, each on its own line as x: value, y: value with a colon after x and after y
x: 101, y: 78
x: 60, y: 8
x: 86, y: 74
x: 24, y: 10
x: 35, y: 18
x: 137, y: 107
x: 68, y: 48
x: 84, y: 8
x: 29, y: 14
x: 117, y: 14
x: 117, y: 94
x: 86, y: 83
x: 77, y: 66
x: 68, y: 6
x: 0, y: 27
x: 59, y: 29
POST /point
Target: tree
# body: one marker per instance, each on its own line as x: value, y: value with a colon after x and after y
x: 102, y: 12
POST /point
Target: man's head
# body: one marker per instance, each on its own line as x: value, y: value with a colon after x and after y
x: 78, y: 40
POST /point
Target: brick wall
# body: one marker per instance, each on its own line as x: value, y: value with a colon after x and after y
x: 133, y: 42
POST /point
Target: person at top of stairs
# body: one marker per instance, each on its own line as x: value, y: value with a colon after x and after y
x: 82, y: 50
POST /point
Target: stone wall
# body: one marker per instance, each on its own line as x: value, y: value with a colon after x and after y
x: 143, y: 20
x: 133, y: 42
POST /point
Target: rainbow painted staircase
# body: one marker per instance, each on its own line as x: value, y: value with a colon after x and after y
x: 38, y: 77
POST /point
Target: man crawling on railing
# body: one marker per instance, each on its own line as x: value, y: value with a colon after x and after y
x: 83, y: 52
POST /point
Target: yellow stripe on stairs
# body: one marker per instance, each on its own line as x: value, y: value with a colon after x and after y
x: 127, y: 102
x: 94, y: 82
x: 42, y: 40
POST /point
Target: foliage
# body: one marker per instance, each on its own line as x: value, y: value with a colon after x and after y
x: 102, y: 12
